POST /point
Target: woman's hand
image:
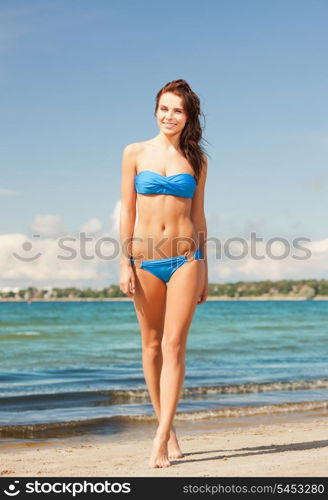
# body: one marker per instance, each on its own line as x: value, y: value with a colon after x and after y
x: 203, y: 296
x: 127, y: 280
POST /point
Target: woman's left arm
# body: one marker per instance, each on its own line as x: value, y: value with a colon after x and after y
x: 199, y: 221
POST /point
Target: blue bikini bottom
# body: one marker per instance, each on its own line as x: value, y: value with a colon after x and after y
x: 165, y: 268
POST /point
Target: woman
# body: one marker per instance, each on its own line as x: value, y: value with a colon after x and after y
x: 163, y: 262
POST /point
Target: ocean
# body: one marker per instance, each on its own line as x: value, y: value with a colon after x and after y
x: 75, y: 368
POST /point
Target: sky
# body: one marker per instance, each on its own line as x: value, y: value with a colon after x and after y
x: 78, y: 81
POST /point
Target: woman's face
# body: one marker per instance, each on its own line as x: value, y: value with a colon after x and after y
x: 171, y: 116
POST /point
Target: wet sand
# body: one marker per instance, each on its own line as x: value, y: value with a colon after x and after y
x: 293, y: 445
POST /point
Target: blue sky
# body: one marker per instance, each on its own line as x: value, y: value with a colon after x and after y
x: 78, y: 82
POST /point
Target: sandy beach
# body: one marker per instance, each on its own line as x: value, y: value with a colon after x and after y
x: 283, y: 449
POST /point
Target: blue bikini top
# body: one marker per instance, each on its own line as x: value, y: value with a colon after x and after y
x: 149, y: 182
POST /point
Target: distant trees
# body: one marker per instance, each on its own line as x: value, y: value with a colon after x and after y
x: 294, y: 288
x: 307, y: 289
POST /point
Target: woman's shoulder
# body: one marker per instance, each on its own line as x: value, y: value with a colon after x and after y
x: 136, y: 147
x: 133, y: 147
x: 135, y: 150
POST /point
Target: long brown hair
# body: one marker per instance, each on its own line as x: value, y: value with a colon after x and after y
x: 191, y: 135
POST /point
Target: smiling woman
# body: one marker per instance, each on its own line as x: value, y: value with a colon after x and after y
x: 164, y: 258
x: 164, y: 109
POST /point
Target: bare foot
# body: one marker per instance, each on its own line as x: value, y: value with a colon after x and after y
x: 159, y: 456
x: 174, y: 450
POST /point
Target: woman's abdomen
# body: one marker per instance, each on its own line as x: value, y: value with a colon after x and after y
x: 159, y: 240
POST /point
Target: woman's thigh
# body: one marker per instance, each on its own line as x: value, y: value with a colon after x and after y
x: 149, y: 303
x: 182, y: 294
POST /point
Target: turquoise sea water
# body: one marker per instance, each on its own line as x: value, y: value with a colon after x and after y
x: 75, y: 367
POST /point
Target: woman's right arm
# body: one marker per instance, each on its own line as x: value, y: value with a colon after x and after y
x: 127, y: 219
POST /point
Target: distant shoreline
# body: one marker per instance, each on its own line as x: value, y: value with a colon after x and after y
x: 211, y: 298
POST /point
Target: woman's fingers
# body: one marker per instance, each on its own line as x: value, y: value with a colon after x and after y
x: 201, y: 299
x: 128, y: 286
x: 125, y: 288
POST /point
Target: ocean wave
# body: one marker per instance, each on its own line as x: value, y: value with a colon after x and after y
x: 31, y: 333
x: 251, y: 387
x: 253, y: 410
x: 58, y: 429
x: 121, y: 396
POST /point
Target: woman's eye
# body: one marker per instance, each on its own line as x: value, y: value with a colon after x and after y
x: 177, y: 111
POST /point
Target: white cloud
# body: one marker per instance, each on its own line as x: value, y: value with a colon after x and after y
x: 319, y: 247
x: 222, y: 268
x: 69, y: 260
x: 115, y: 219
x: 59, y: 258
x: 48, y: 225
x: 92, y: 226
x: 8, y: 192
x: 64, y: 261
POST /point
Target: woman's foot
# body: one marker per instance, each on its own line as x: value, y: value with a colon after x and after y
x: 173, y: 447
x: 159, y: 456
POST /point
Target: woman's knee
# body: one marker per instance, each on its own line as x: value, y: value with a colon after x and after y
x: 151, y: 349
x: 173, y: 349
